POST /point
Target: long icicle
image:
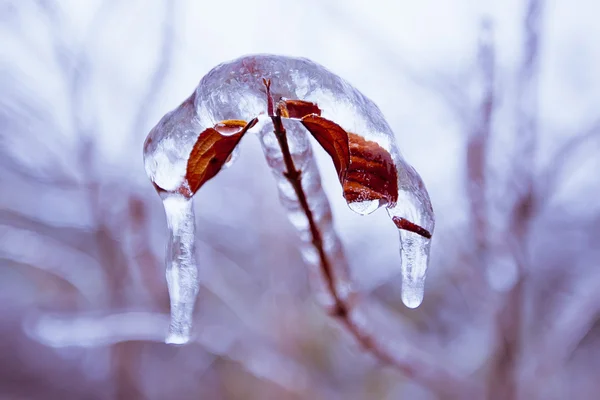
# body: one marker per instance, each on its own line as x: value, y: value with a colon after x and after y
x: 182, y: 273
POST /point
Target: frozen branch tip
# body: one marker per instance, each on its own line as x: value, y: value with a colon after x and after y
x: 192, y: 143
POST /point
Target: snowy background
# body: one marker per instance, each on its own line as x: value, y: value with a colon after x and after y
x: 496, y: 104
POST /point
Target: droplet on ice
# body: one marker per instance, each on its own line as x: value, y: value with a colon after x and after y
x: 182, y: 273
x: 365, y: 207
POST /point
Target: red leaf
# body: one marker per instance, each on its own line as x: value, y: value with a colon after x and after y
x: 366, y: 170
x: 297, y: 108
x: 371, y: 174
x: 211, y: 151
x: 334, y: 140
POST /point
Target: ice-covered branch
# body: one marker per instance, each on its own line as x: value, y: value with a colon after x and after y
x: 376, y: 176
x: 295, y: 170
x: 310, y: 213
x: 191, y: 144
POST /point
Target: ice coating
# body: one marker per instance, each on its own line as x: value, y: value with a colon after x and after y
x: 301, y: 152
x: 235, y: 91
x: 414, y: 248
x: 182, y: 273
x: 166, y: 152
x: 169, y: 144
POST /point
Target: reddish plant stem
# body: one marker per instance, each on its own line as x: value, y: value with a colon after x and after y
x: 430, y: 375
x: 294, y: 176
x: 340, y: 309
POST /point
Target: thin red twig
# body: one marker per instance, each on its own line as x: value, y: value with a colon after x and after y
x: 341, y: 310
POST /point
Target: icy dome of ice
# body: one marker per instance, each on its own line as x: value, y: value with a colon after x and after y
x: 235, y: 90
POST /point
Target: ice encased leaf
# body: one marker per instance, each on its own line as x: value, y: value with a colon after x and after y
x: 235, y: 90
x: 169, y: 144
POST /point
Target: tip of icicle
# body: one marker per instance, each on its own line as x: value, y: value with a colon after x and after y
x: 173, y: 338
x: 412, y: 299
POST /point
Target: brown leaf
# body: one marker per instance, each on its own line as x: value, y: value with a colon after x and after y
x: 371, y: 174
x: 297, y: 108
x: 334, y: 140
x: 211, y: 151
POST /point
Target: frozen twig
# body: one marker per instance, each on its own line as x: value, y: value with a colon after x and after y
x: 191, y: 144
x: 341, y: 307
x: 293, y: 175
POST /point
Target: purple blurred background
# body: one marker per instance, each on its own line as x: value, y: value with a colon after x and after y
x: 496, y: 104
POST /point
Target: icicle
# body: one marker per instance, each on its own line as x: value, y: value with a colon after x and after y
x: 414, y: 252
x: 413, y: 216
x: 182, y: 273
x: 166, y: 152
x: 376, y: 172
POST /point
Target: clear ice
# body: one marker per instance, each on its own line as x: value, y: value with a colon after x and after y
x: 235, y: 90
x: 182, y: 273
x: 166, y: 151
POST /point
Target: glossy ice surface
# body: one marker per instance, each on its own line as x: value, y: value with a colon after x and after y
x: 235, y: 90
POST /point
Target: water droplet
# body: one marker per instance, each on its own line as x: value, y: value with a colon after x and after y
x: 365, y: 207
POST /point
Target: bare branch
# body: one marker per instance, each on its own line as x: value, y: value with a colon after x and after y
x: 527, y: 109
x: 477, y: 144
